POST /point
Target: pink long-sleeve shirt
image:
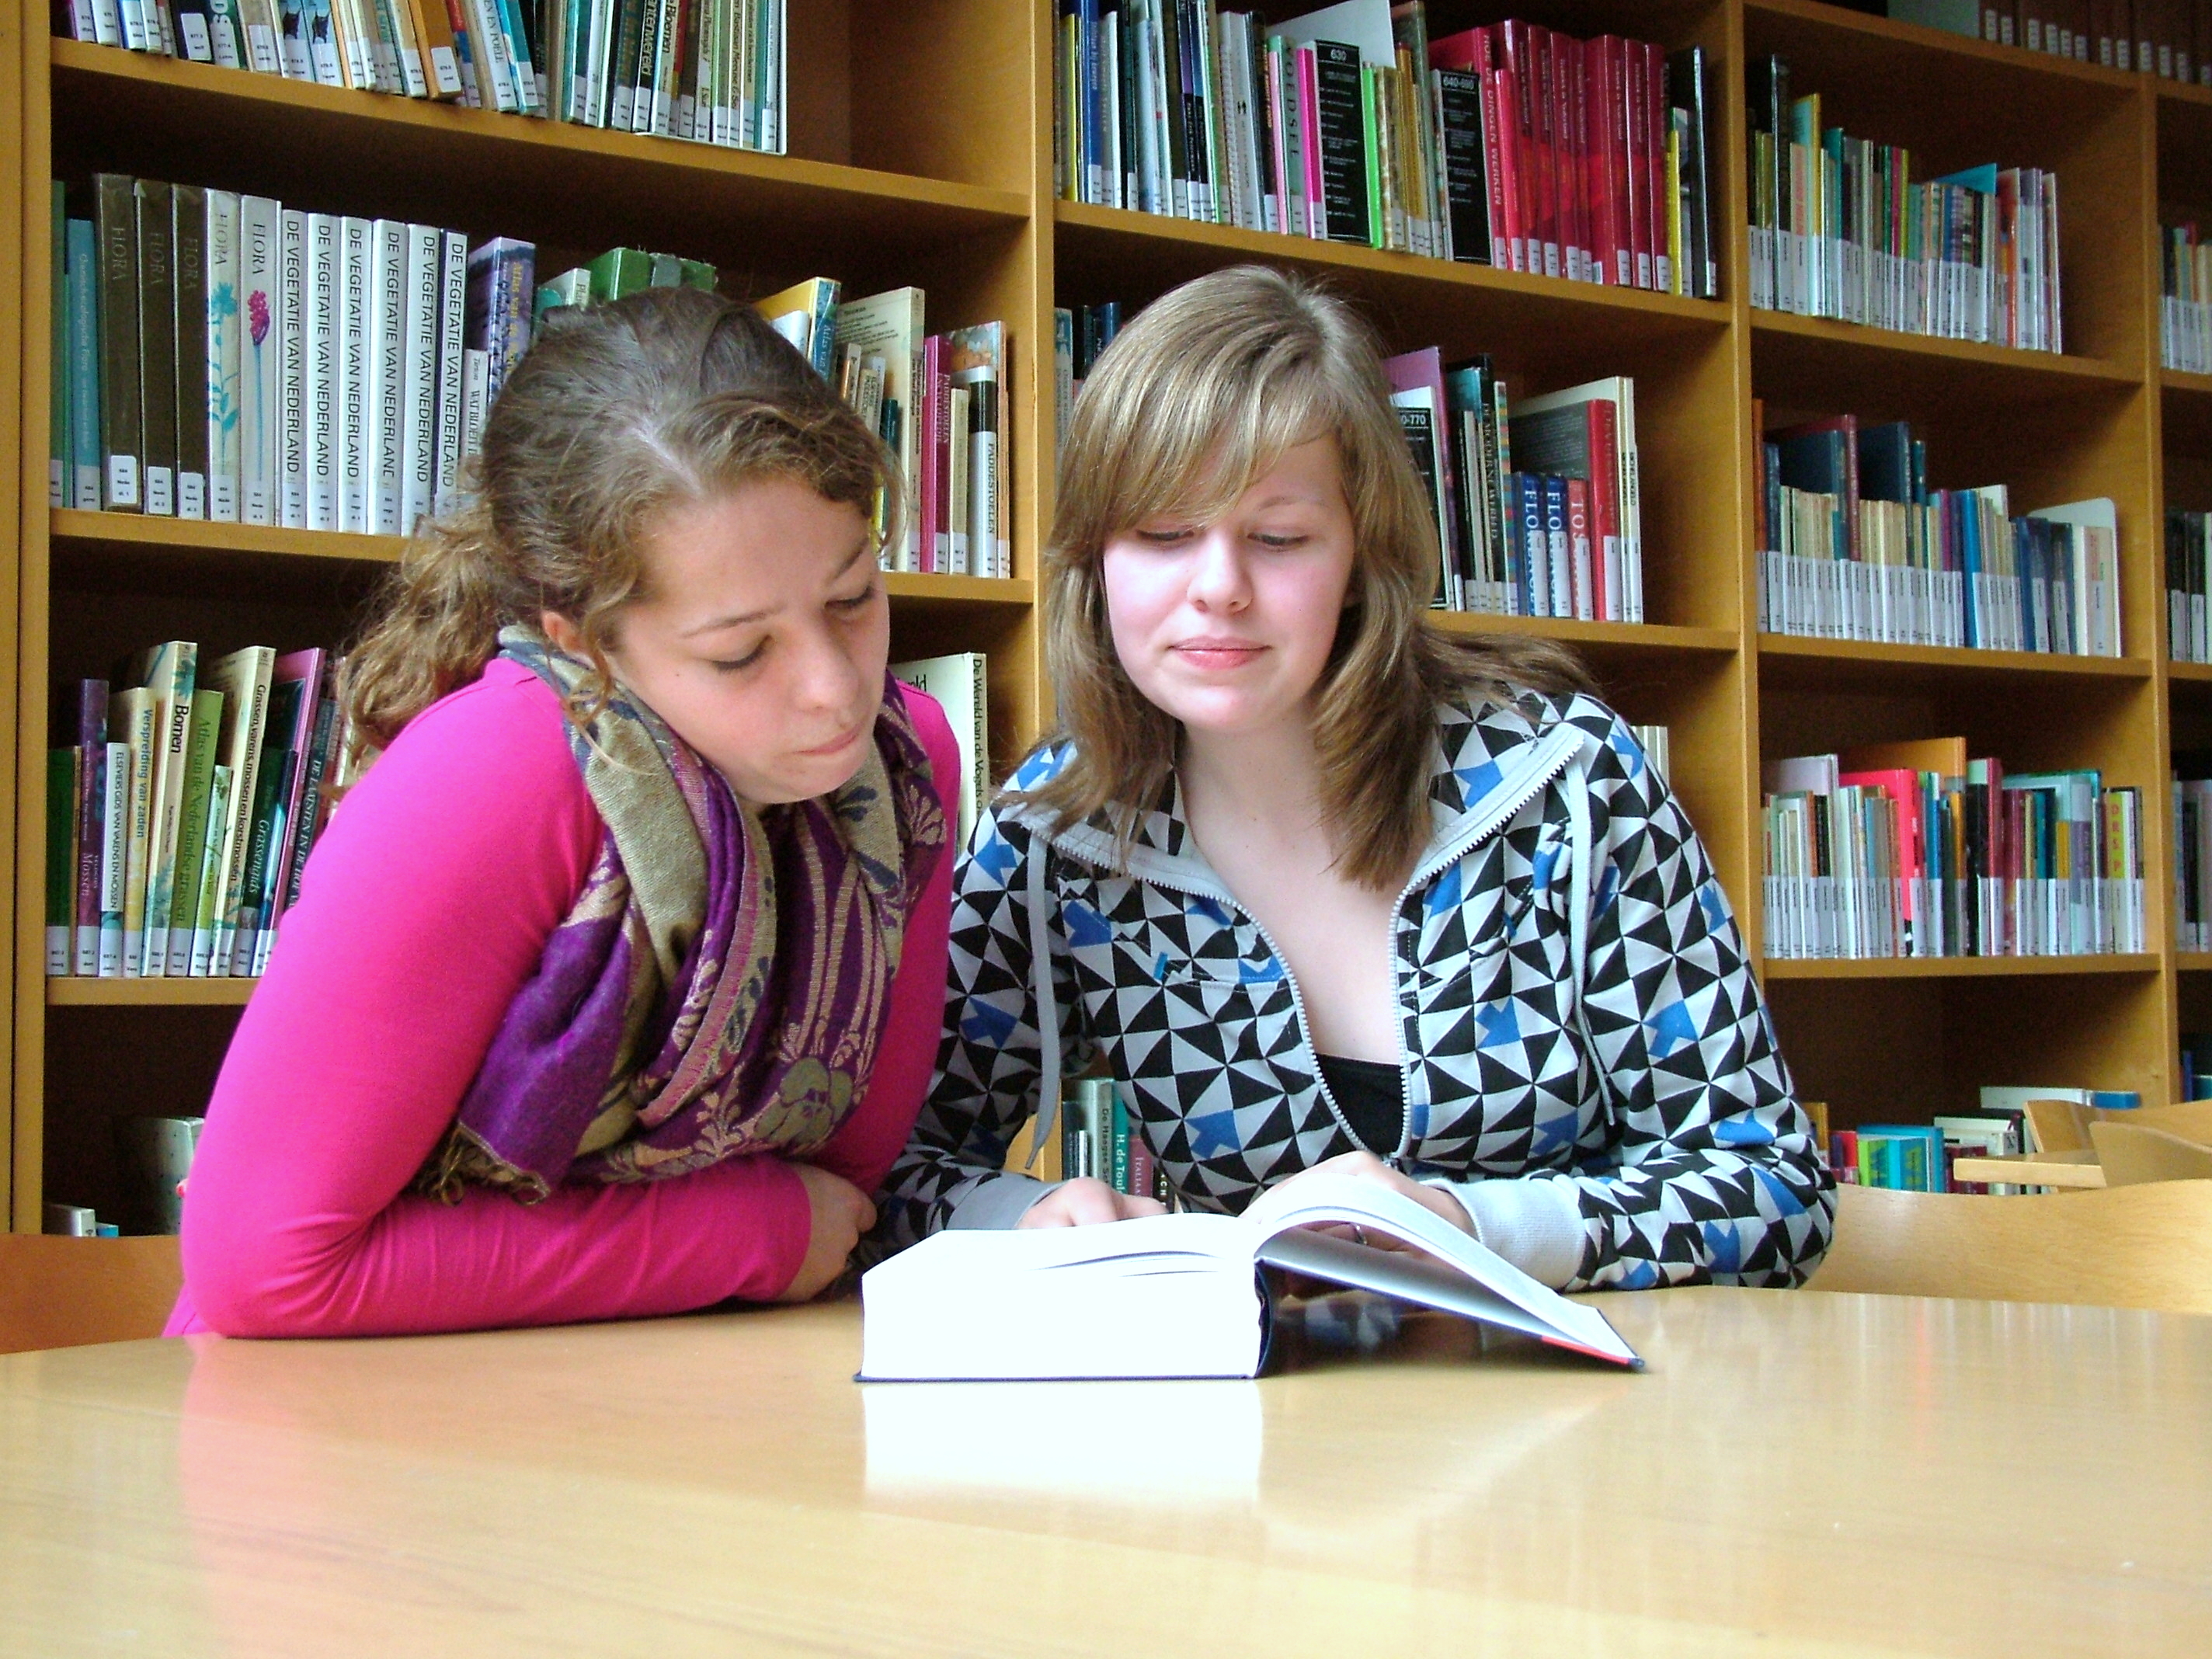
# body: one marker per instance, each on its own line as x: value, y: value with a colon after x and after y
x: 424, y: 909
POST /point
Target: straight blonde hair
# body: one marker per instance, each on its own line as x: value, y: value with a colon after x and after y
x: 1196, y: 398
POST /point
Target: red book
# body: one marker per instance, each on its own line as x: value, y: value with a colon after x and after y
x: 1573, y: 126
x: 1518, y: 57
x: 1551, y: 214
x: 1605, y: 504
x: 1654, y: 90
x: 1606, y: 170
x: 1636, y: 75
x: 932, y: 539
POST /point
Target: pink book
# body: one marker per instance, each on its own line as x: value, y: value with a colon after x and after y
x: 1413, y: 372
x: 1654, y: 92
x: 1903, y: 788
x: 934, y: 538
x: 1310, y: 150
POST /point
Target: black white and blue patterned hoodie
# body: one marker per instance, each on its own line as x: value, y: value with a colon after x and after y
x: 1587, y: 1063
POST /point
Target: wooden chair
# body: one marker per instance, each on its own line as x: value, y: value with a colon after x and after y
x: 2190, y: 1119
x: 2147, y: 1246
x: 2130, y: 1153
x: 62, y: 1292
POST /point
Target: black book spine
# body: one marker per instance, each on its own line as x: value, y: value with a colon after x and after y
x: 188, y: 239
x: 1178, y: 203
x: 122, y: 448
x: 1343, y: 144
x: 1467, y: 186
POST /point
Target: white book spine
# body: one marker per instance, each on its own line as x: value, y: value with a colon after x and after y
x: 418, y: 468
x: 293, y: 319
x: 353, y: 373
x: 106, y: 23
x: 388, y: 352
x: 454, y: 281
x: 476, y: 400
x: 489, y: 41
x: 324, y: 275
x: 223, y: 325
x: 261, y: 354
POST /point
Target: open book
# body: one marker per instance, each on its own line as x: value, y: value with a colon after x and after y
x: 1180, y: 1294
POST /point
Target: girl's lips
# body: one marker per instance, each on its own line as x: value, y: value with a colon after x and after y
x: 1218, y: 654
x: 836, y: 746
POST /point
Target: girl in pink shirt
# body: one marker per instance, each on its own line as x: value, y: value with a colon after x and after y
x: 614, y: 986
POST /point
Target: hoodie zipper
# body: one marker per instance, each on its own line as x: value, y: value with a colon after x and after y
x: 1553, y: 751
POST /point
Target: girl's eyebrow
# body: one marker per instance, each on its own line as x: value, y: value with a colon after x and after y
x: 719, y: 623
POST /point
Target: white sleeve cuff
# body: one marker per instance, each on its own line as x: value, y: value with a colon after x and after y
x: 999, y: 1200
x: 1534, y: 1225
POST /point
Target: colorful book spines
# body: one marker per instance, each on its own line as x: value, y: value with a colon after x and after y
x: 711, y: 71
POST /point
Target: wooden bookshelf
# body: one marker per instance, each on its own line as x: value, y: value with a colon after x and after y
x: 923, y: 152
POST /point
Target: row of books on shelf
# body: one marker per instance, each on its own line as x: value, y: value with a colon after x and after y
x: 708, y: 70
x: 1537, y: 500
x: 182, y: 800
x: 2169, y: 38
x: 2188, y: 571
x: 960, y: 682
x: 2184, y: 312
x: 1920, y: 1158
x: 1857, y: 546
x: 1913, y: 849
x: 1512, y: 145
x: 1841, y: 229
x: 232, y: 359
x: 2192, y: 849
x: 2196, y: 1064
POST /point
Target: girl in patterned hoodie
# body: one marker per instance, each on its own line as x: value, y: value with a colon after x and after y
x: 1329, y: 887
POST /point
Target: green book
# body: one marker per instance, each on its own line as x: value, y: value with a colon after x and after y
x: 83, y: 361
x: 202, y: 739
x: 1368, y: 149
x: 618, y: 272
x: 61, y: 856
x: 207, y: 910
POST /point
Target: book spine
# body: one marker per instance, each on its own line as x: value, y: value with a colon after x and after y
x: 354, y: 328
x: 132, y: 715
x: 91, y: 820
x: 245, y: 786
x: 425, y: 298
x: 121, y: 448
x: 157, y: 349
x: 325, y: 379
x: 206, y: 730
x: 114, y: 858
x: 84, y: 355
x: 261, y: 346
x: 386, y: 401
x: 61, y: 856
x: 291, y: 311
x: 452, y: 398
x: 188, y: 246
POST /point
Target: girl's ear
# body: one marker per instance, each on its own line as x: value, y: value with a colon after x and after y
x: 563, y: 633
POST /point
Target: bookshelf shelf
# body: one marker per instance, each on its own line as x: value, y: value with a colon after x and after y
x: 207, y: 123
x: 2189, y: 673
x: 2193, y: 962
x: 1792, y: 658
x: 1115, y: 253
x: 73, y: 532
x: 1881, y: 373
x: 1960, y: 966
x: 149, y: 993
x: 1880, y: 45
x: 1617, y: 637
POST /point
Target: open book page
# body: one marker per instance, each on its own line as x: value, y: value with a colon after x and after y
x: 1477, y: 1283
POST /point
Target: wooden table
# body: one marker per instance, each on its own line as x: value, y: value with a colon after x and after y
x: 1795, y: 1473
x: 2076, y: 1170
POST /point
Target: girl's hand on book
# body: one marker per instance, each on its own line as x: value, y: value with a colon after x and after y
x: 1365, y: 1166
x: 841, y: 1213
x: 1086, y: 1201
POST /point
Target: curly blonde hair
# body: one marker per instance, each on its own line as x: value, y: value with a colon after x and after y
x: 619, y: 413
x: 1198, y: 396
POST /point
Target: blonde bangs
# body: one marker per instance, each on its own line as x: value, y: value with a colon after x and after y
x: 1198, y: 398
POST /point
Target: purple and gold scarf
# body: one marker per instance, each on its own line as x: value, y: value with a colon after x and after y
x: 720, y: 986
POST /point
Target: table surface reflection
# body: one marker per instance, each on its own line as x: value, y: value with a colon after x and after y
x: 1804, y: 1473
